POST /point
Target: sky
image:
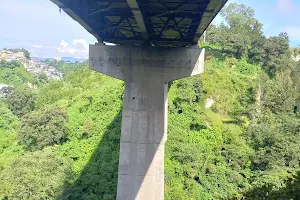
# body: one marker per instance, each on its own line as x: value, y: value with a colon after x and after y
x: 38, y: 26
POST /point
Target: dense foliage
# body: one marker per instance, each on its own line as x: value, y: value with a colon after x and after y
x: 66, y: 67
x: 35, y: 176
x: 13, y: 73
x: 21, y: 101
x: 61, y: 140
x: 43, y: 128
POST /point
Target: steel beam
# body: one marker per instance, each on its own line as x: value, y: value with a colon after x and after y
x: 139, y: 18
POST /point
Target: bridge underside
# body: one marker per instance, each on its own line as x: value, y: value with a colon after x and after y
x: 163, y: 23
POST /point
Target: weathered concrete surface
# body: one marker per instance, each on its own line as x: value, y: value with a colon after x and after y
x: 128, y: 63
x: 146, y: 72
x: 143, y: 135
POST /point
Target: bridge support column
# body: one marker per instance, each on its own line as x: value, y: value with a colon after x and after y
x: 143, y: 135
x: 146, y: 72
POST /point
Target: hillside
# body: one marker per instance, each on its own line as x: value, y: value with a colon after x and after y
x: 209, y: 153
x: 61, y: 139
x: 31, y: 65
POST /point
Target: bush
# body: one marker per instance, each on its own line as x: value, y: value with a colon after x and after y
x: 21, y: 102
x: 7, y: 119
x: 43, y: 128
x: 11, y: 65
x: 35, y: 176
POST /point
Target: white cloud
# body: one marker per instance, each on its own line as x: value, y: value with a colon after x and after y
x: 63, y: 44
x: 80, y: 44
x: 285, y: 6
x: 294, y: 33
x: 36, y: 46
x: 78, y: 48
x: 42, y: 28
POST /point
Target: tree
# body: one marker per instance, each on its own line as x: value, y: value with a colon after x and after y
x: 21, y: 101
x: 11, y: 65
x: 43, y: 128
x: 42, y: 77
x: 39, y: 175
x: 296, y: 84
x: 276, y: 54
x: 275, y: 139
x: 283, y: 94
x: 7, y: 119
x: 26, y: 53
x: 240, y: 33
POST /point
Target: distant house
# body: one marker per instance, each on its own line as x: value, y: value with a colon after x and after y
x: 33, y: 66
x: 10, y: 56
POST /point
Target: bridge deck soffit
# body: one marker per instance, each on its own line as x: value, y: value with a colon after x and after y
x: 164, y: 23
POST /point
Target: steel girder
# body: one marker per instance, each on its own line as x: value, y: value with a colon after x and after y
x: 166, y: 23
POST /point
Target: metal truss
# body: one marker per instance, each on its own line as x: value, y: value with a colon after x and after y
x: 165, y: 23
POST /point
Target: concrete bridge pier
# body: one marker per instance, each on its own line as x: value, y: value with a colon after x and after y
x: 146, y: 72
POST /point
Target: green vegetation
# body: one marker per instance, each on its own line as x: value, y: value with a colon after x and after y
x: 66, y: 67
x: 21, y: 101
x: 14, y: 73
x: 38, y: 176
x: 61, y: 141
x: 43, y: 128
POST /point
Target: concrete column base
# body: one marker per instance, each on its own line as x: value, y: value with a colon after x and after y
x: 146, y: 72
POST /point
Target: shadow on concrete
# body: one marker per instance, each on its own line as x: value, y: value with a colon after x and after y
x: 290, y: 192
x: 141, y: 168
x: 99, y: 178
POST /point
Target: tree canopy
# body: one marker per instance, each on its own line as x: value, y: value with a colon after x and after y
x: 43, y: 128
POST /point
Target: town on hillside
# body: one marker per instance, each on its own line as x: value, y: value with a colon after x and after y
x: 33, y: 66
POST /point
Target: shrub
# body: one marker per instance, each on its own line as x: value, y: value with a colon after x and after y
x: 43, y: 128
x: 36, y: 176
x: 21, y: 101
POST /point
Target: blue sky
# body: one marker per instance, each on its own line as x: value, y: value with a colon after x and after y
x: 38, y: 26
